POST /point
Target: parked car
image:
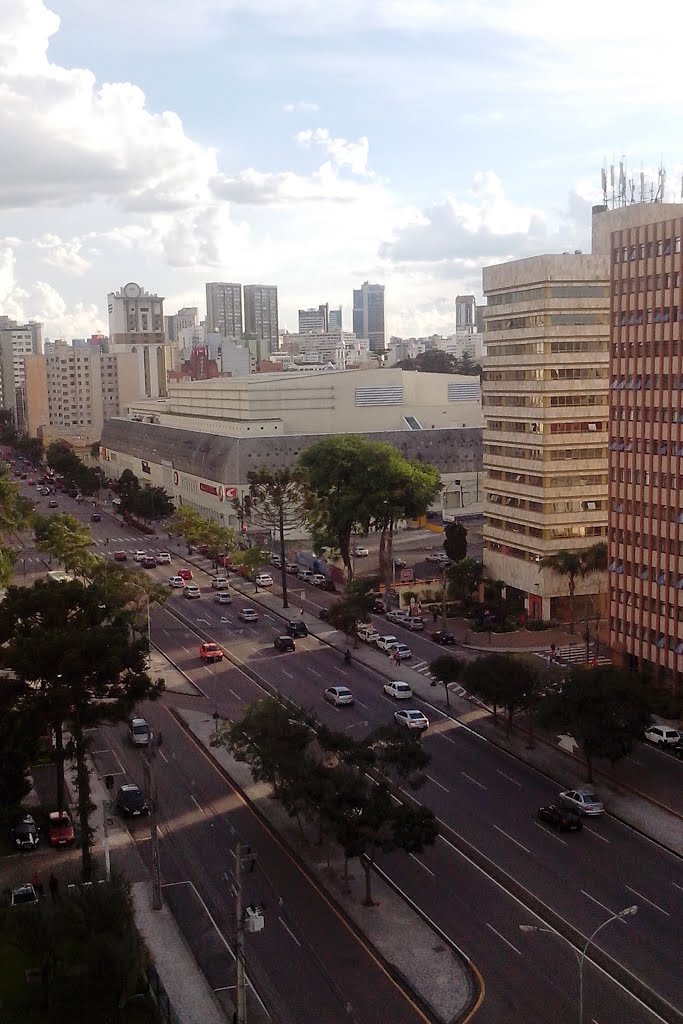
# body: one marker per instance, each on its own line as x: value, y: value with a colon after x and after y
x: 397, y: 616
x: 248, y: 615
x: 386, y: 642
x: 318, y: 579
x: 379, y: 607
x: 191, y: 591
x: 220, y: 583
x: 139, y: 555
x: 120, y: 556
x: 60, y: 829
x: 326, y: 584
x: 662, y: 735
x: 148, y: 562
x: 276, y: 560
x: 23, y: 894
x: 222, y: 597
x: 297, y: 628
x: 305, y: 575
x: 284, y: 643
x: 53, y: 504
x: 411, y: 720
x: 210, y: 652
x: 130, y: 801
x: 95, y: 517
x: 368, y: 634
x: 400, y: 563
x: 678, y: 749
x: 403, y: 652
x: 25, y: 834
x: 185, y: 574
x: 398, y: 689
x: 176, y: 581
x: 442, y: 636
x: 324, y: 614
x: 291, y: 567
x: 562, y: 818
x: 584, y: 801
x: 437, y: 556
x: 139, y: 732
x: 360, y: 552
x: 164, y: 558
x: 263, y: 579
x: 338, y: 695
x: 415, y: 623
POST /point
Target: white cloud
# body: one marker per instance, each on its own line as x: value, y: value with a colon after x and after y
x: 303, y: 106
x: 62, y: 254
x: 343, y: 153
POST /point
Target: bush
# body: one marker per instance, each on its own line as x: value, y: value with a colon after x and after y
x: 536, y: 625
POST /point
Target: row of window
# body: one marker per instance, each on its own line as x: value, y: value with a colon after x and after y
x: 646, y: 573
x: 627, y: 475
x: 546, y: 348
x: 544, y: 455
x: 543, y: 401
x: 646, y: 349
x: 660, y: 513
x: 549, y: 373
x: 645, y: 413
x: 646, y: 282
x: 648, y: 636
x: 646, y: 250
x: 652, y: 315
x: 549, y: 533
x: 516, y: 323
x: 571, y: 427
x: 665, y: 545
x: 652, y: 605
x: 532, y: 480
x: 643, y: 446
x: 545, y: 507
x: 644, y: 381
x: 550, y: 291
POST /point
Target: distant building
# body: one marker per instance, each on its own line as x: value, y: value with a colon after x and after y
x: 261, y: 313
x: 335, y: 347
x: 224, y: 309
x: 186, y: 317
x: 335, y: 319
x: 368, y: 315
x: 16, y: 342
x: 136, y: 326
x: 199, y: 366
x: 314, y: 321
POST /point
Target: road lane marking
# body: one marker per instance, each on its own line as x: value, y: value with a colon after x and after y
x: 587, y: 828
x: 470, y: 779
x: 641, y: 764
x: 162, y: 755
x: 169, y: 885
x: 196, y: 802
x: 286, y: 673
x: 361, y: 704
x: 549, y: 833
x: 438, y: 784
x: 314, y: 673
x: 289, y: 931
x: 236, y: 695
x: 509, y: 778
x: 603, y: 907
x: 506, y: 941
x: 225, y: 988
x: 418, y: 861
x: 512, y: 839
x: 96, y: 752
x: 678, y: 886
x: 640, y: 896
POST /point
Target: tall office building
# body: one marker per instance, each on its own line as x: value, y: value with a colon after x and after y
x: 368, y: 314
x: 260, y: 313
x: 17, y: 341
x: 136, y: 325
x: 314, y: 321
x: 465, y: 314
x: 224, y: 309
x: 646, y: 438
x: 335, y: 319
x: 186, y: 317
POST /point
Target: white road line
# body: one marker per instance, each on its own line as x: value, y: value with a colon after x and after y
x: 196, y: 802
x: 678, y: 886
x: 549, y: 833
x: 509, y: 778
x: 121, y: 766
x: 641, y: 897
x: 438, y: 784
x: 506, y: 941
x: 289, y: 931
x: 361, y: 704
x: 162, y: 755
x: 169, y: 885
x: 587, y: 828
x: 640, y: 764
x: 235, y: 694
x: 271, y: 617
x: 225, y: 988
x: 286, y: 673
x: 418, y: 861
x: 470, y: 779
x: 602, y: 906
x: 511, y: 838
x: 95, y: 752
x: 449, y: 739
x: 314, y: 673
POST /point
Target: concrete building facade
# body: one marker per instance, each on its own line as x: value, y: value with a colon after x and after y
x: 368, y: 315
x: 224, y: 308
x: 261, y: 314
x: 17, y: 341
x: 336, y: 347
x: 136, y: 326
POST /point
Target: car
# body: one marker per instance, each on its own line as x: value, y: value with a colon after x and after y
x: 324, y: 614
x: 360, y: 552
x: 130, y: 801
x: 305, y: 575
x: 263, y: 579
x: 220, y: 583
x: 338, y: 695
x: 398, y: 616
x: 401, y: 652
x: 148, y: 562
x: 120, y: 556
x: 95, y: 517
x: 276, y: 560
x: 210, y: 652
x: 442, y: 636
x: 139, y: 732
x: 185, y: 574
x: 60, y: 829
x: 164, y: 558
x: 662, y: 735
x: 318, y: 579
x: 398, y: 689
x: 297, y: 627
x: 31, y: 481
x: 414, y: 623
x: 23, y: 894
x: 291, y: 566
x: 191, y: 591
x: 222, y: 597
x: 176, y: 581
x: 139, y: 555
x: 584, y: 801
x: 53, y: 504
x: 562, y: 818
x: 25, y: 833
x: 368, y: 634
x: 437, y: 556
x: 411, y: 719
x: 386, y: 642
x: 325, y: 584
x: 284, y: 643
x: 248, y: 615
x: 379, y: 607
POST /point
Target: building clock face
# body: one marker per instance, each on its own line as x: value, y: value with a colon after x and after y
x: 132, y: 290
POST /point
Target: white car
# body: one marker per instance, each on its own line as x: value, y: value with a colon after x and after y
x: 338, y: 695
x: 139, y: 555
x: 414, y: 623
x: 220, y: 583
x: 397, y: 616
x: 164, y: 558
x: 411, y: 719
x: 176, y: 581
x: 437, y: 556
x: 584, y: 801
x: 223, y: 597
x: 398, y: 689
x: 191, y: 590
x: 368, y: 634
x: 305, y: 575
x: 319, y: 578
x: 401, y: 651
x: 663, y: 735
x: 386, y: 643
x: 248, y: 615
x: 360, y: 552
x: 276, y: 560
x: 264, y: 579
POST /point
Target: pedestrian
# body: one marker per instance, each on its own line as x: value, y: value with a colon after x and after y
x: 54, y: 886
x: 435, y: 614
x: 106, y: 541
x: 302, y: 613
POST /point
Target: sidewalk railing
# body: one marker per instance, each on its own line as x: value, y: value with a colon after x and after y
x: 159, y: 995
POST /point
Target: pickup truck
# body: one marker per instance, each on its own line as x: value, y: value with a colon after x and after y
x: 210, y: 652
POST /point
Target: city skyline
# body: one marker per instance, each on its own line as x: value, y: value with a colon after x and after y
x: 133, y: 174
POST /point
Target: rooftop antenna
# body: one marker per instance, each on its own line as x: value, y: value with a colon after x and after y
x: 642, y: 186
x: 603, y: 175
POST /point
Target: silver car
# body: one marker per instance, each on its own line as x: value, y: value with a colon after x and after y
x: 583, y: 801
x: 338, y: 695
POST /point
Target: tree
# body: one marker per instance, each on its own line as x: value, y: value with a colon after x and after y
x: 30, y: 447
x: 434, y: 360
x: 18, y: 747
x: 353, y: 608
x: 66, y: 539
x: 464, y: 577
x: 395, y: 750
x: 129, y: 589
x: 447, y: 669
x: 188, y: 524
x: 503, y: 680
x: 466, y: 365
x: 127, y: 487
x: 455, y: 541
x: 61, y: 457
x: 605, y: 709
x: 574, y: 565
x: 277, y: 501
x: 15, y: 515
x: 150, y: 503
x: 71, y: 648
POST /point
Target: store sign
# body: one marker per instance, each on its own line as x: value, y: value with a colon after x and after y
x: 208, y: 489
x: 230, y: 492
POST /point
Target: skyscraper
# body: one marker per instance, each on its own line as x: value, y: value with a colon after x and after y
x: 314, y: 321
x: 335, y: 319
x: 368, y: 314
x: 260, y: 313
x: 136, y: 324
x: 465, y: 314
x: 224, y: 309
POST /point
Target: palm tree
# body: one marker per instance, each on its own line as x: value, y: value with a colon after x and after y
x: 574, y: 565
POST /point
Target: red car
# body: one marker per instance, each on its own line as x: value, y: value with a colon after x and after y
x: 185, y: 574
x: 60, y: 831
x: 120, y: 556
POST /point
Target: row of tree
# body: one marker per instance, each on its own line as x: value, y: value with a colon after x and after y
x: 61, y: 458
x: 151, y: 503
x: 435, y: 360
x: 346, y: 787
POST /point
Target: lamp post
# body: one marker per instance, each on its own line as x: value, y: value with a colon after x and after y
x: 581, y: 954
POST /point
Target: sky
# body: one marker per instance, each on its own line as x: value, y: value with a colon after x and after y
x: 314, y: 145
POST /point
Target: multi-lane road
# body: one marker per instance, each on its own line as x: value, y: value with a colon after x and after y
x: 493, y: 864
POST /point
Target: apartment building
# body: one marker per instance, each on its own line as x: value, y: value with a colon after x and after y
x: 136, y: 327
x: 261, y: 314
x: 17, y: 341
x: 224, y: 308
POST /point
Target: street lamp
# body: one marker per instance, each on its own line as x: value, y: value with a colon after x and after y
x: 581, y: 954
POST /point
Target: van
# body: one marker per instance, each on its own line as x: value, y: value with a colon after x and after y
x: 139, y: 732
x: 305, y: 575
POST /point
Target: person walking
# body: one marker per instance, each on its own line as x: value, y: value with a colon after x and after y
x: 435, y: 613
x: 54, y: 886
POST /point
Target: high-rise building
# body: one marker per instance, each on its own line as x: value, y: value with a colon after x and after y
x: 465, y: 314
x: 186, y: 317
x: 260, y: 313
x: 314, y: 321
x: 646, y: 438
x: 334, y: 319
x: 224, y: 309
x: 368, y: 314
x: 16, y: 342
x: 136, y: 325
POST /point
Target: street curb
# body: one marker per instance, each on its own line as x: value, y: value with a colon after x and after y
x: 178, y: 669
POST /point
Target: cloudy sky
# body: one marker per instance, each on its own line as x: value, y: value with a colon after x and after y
x: 313, y: 145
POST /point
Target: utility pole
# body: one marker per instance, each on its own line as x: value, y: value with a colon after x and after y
x: 239, y: 951
x: 154, y: 833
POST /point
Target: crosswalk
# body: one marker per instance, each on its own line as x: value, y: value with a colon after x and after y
x: 423, y: 668
x: 575, y: 654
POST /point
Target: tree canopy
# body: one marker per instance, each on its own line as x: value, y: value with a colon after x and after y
x: 61, y: 457
x: 576, y: 564
x: 503, y: 680
x: 276, y: 501
x: 455, y: 541
x: 66, y: 539
x: 151, y: 503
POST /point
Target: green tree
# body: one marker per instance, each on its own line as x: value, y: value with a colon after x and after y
x: 574, y: 565
x: 395, y: 752
x: 455, y: 541
x: 66, y: 539
x: 71, y: 648
x: 15, y: 516
x: 447, y: 669
x: 61, y: 457
x: 605, y: 709
x: 277, y: 501
x: 503, y: 680
x: 30, y: 447
x: 188, y: 524
x: 466, y: 364
x: 150, y: 503
x: 18, y: 747
x: 434, y: 360
x: 464, y: 577
x: 354, y: 607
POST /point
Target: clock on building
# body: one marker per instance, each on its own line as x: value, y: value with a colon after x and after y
x: 132, y: 290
